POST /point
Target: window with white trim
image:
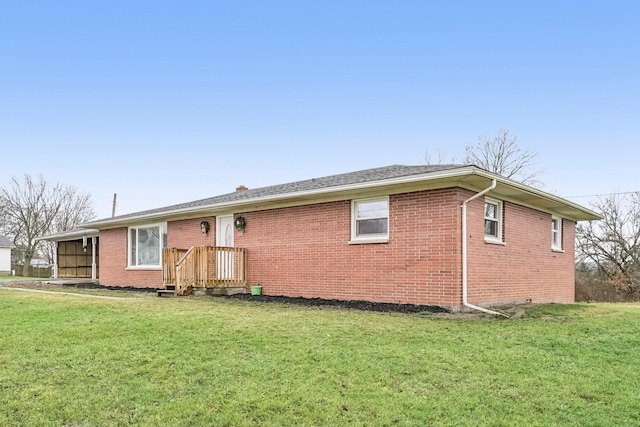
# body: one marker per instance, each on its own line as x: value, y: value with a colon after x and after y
x: 370, y: 220
x: 492, y: 220
x: 556, y: 233
x: 145, y: 245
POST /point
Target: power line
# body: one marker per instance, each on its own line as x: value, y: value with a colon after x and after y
x: 601, y: 195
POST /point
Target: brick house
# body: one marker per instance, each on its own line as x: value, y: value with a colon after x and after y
x: 446, y: 235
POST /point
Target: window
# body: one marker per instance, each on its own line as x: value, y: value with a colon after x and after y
x: 493, y: 220
x: 370, y: 220
x: 145, y: 245
x: 556, y: 233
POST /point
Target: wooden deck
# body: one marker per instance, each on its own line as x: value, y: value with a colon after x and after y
x: 203, y: 267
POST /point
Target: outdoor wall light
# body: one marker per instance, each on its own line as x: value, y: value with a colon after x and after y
x: 204, y: 227
x: 240, y: 223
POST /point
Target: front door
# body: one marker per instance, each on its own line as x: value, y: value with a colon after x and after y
x: 224, y: 231
x: 224, y: 239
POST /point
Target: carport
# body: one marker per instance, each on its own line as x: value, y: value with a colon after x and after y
x: 76, y: 254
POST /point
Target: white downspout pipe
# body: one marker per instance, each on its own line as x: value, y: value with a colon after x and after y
x: 465, y: 284
x: 94, y: 267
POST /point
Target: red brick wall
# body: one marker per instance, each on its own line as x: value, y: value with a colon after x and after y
x: 184, y: 234
x: 113, y: 252
x: 113, y: 263
x: 305, y: 251
x: 525, y: 267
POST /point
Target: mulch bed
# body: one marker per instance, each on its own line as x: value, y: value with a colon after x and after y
x: 37, y: 284
x: 114, y: 288
x: 384, y: 307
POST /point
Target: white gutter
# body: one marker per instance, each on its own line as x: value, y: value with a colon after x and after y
x: 465, y: 285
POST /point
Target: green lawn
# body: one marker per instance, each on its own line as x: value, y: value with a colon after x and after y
x: 76, y: 361
x: 70, y: 289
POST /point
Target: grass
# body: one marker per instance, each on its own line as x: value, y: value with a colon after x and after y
x: 71, y: 289
x: 16, y: 278
x: 72, y: 361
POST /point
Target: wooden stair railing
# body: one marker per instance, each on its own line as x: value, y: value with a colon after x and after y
x: 185, y: 272
x: 203, y: 267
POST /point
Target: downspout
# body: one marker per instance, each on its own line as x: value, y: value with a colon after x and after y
x: 465, y: 285
x: 94, y: 266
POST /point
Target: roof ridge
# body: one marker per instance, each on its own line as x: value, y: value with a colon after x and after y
x: 329, y: 181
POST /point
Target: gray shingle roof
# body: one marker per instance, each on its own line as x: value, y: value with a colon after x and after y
x: 5, y: 242
x: 368, y: 175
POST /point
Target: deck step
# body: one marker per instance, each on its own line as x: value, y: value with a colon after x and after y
x: 166, y: 292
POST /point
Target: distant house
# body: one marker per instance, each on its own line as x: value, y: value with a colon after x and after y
x: 5, y: 255
x: 448, y: 235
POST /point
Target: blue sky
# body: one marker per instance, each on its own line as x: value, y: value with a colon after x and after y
x: 166, y: 102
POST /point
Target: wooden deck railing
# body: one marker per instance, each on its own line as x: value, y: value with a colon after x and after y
x: 204, y: 267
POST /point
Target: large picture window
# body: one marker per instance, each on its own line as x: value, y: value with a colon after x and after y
x: 370, y: 220
x: 145, y: 245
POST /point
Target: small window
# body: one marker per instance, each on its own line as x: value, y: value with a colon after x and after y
x: 556, y: 233
x: 370, y: 220
x: 145, y: 245
x: 493, y: 220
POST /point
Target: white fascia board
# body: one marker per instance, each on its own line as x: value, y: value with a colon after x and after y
x: 70, y: 235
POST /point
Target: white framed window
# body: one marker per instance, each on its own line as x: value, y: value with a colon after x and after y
x: 556, y: 233
x: 370, y: 220
x: 145, y: 246
x: 492, y: 220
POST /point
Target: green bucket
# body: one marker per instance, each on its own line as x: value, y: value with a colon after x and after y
x: 256, y: 290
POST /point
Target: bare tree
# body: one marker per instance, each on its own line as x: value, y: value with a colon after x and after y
x: 612, y: 245
x: 442, y: 157
x: 503, y: 155
x: 31, y: 208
